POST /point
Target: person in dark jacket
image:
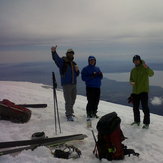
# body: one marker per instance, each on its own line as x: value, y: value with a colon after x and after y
x: 69, y: 72
x: 139, y: 79
x: 92, y: 76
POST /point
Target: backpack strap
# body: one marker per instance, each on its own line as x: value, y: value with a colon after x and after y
x: 66, y: 63
x: 130, y: 151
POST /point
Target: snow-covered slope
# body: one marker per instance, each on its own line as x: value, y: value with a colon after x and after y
x: 149, y: 143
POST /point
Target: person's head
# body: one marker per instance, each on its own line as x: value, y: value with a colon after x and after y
x: 137, y: 60
x: 70, y: 54
x: 91, y: 60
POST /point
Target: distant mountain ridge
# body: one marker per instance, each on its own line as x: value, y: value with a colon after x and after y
x: 111, y: 90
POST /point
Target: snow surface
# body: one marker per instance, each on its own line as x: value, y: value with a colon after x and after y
x: 147, y: 142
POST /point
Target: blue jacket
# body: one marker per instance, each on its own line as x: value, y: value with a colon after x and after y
x: 66, y: 68
x: 92, y: 76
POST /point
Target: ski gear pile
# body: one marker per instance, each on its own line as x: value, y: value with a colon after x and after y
x: 38, y: 139
x: 67, y: 152
x: 12, y: 112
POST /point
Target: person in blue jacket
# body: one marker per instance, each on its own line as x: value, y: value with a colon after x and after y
x: 69, y: 72
x: 92, y: 76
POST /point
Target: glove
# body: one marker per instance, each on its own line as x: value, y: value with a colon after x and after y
x: 131, y: 99
x: 97, y: 74
x: 100, y: 74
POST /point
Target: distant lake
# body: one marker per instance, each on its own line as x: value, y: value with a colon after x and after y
x: 156, y: 80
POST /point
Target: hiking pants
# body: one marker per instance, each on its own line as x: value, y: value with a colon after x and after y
x: 93, y: 97
x: 69, y: 92
x: 143, y: 98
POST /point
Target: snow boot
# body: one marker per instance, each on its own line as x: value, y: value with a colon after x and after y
x: 135, y: 123
x: 70, y: 118
x: 145, y: 126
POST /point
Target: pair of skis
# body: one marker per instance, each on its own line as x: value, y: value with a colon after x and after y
x: 32, y: 144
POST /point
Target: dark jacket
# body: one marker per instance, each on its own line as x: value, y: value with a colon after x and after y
x: 92, y: 76
x: 66, y: 68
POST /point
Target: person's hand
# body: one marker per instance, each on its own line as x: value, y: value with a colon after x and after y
x: 76, y: 68
x: 100, y: 74
x: 53, y: 48
x: 94, y: 74
x: 132, y: 83
x: 97, y: 74
x: 145, y: 66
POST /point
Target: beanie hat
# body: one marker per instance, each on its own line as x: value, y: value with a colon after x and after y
x: 70, y: 51
x: 136, y: 57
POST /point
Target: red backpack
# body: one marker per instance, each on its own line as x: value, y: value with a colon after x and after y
x: 15, y: 113
x: 110, y: 137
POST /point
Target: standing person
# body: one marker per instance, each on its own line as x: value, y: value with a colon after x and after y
x: 139, y: 79
x: 68, y: 72
x: 92, y: 77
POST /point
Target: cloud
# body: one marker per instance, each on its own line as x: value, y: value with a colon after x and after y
x: 113, y: 28
x: 157, y: 101
x: 82, y: 19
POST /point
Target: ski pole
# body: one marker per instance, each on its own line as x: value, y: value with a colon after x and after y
x: 54, y: 87
x: 56, y: 112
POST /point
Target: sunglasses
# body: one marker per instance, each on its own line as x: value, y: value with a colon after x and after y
x: 70, y: 52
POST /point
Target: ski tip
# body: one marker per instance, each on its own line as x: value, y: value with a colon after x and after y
x: 85, y: 136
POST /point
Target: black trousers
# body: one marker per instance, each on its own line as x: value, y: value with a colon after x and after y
x: 143, y: 98
x: 93, y: 97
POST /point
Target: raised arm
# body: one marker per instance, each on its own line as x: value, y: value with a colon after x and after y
x: 59, y: 61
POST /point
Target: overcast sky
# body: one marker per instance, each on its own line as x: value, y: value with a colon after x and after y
x: 107, y: 29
